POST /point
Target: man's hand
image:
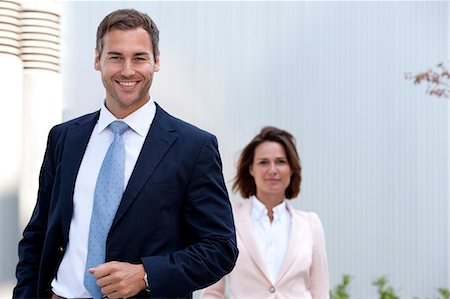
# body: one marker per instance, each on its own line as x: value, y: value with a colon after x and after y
x: 119, y: 279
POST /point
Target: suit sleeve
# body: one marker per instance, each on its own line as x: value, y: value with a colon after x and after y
x: 215, y: 291
x: 31, y: 245
x: 319, y: 277
x: 209, y: 221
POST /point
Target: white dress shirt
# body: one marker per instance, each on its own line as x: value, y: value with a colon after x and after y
x: 70, y: 275
x: 272, y: 237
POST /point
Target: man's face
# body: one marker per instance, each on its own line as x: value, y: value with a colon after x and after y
x: 127, y: 65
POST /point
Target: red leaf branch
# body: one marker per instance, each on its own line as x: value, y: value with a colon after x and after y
x: 437, y: 80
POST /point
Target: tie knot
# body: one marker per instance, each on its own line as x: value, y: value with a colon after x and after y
x: 118, y: 127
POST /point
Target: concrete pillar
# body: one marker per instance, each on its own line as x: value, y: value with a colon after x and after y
x: 11, y: 83
x: 40, y: 48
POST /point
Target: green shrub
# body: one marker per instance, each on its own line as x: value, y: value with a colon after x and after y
x: 445, y: 293
x: 340, y: 291
x: 384, y: 290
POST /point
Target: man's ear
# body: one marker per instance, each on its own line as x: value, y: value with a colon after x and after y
x: 157, y: 66
x: 97, y: 61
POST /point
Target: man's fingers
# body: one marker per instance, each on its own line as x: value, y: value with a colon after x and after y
x: 103, y: 270
x: 105, y: 281
x: 113, y: 294
x: 119, y: 279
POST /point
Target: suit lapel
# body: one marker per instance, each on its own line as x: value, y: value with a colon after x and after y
x: 294, y: 243
x: 161, y: 136
x: 75, y: 144
x: 245, y: 232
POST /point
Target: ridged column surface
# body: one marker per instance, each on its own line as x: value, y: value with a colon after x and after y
x: 11, y: 90
x: 10, y: 27
x: 40, y: 53
x: 40, y: 38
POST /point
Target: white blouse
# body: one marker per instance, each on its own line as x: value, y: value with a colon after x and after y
x: 272, y: 237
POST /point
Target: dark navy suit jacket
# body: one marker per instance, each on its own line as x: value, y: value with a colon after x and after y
x: 174, y: 218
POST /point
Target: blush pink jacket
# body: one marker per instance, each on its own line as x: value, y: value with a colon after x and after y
x: 304, y: 271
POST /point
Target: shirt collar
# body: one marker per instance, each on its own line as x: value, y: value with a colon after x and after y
x: 259, y: 210
x: 139, y: 121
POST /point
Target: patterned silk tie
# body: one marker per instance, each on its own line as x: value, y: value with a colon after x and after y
x: 107, y: 196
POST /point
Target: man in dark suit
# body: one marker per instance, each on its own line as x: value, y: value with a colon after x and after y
x: 172, y: 231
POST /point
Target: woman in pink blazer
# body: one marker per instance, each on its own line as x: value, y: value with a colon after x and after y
x: 281, y: 250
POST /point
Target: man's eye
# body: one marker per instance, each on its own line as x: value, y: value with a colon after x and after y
x: 140, y: 59
x: 114, y: 58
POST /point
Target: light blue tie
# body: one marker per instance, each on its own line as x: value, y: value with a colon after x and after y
x: 107, y: 196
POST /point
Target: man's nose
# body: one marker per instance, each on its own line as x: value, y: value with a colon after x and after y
x: 127, y: 68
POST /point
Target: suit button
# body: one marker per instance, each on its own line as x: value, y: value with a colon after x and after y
x: 272, y: 290
x: 61, y: 249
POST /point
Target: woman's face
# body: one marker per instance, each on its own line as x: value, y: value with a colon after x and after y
x: 270, y: 170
